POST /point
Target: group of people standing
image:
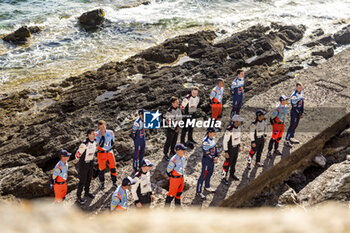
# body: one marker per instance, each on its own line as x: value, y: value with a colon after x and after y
x: 103, y: 140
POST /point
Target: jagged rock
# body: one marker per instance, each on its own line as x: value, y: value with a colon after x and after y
x: 318, y: 32
x: 325, y: 52
x: 92, y: 19
x: 26, y: 181
x: 333, y: 184
x: 289, y: 197
x: 320, y: 160
x: 254, y: 47
x: 326, y: 40
x: 19, y: 37
x: 14, y: 160
x: 315, y: 61
x: 343, y: 37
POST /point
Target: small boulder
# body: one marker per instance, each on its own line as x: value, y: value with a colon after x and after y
x: 320, y: 160
x: 92, y: 19
x: 343, y: 37
x: 326, y: 52
x: 316, y: 33
x: 34, y: 29
x: 19, y: 37
x: 348, y: 157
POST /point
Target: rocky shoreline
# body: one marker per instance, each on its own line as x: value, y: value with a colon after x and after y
x: 36, y: 124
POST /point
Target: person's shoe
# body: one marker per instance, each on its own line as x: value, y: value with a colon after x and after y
x: 259, y: 164
x: 210, y: 190
x: 223, y: 174
x: 288, y: 143
x: 234, y: 177
x: 115, y: 185
x: 294, y: 141
x: 201, y: 195
x: 277, y: 152
x: 90, y: 195
x: 102, y: 186
x: 166, y: 157
x: 249, y: 166
x: 81, y: 201
x: 269, y: 155
x: 225, y: 181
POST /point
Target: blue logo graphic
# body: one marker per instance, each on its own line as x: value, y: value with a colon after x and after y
x: 151, y: 120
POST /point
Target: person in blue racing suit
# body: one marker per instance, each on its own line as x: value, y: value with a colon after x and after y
x: 297, y: 111
x: 210, y: 156
x: 139, y: 137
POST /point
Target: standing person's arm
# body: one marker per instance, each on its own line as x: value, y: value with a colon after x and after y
x: 227, y: 137
x: 212, y: 95
x: 184, y: 103
x: 135, y: 128
x: 302, y: 107
x: 113, y: 139
x: 170, y: 119
x: 134, y: 188
x: 252, y: 133
x: 80, y: 151
x: 198, y: 101
x: 178, y: 118
x: 274, y: 114
x: 170, y: 168
x: 233, y: 86
x: 265, y: 130
x: 55, y: 173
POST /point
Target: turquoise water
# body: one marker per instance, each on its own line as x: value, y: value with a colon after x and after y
x: 63, y: 49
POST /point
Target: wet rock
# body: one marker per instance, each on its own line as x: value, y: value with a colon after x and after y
x: 315, y: 61
x: 343, y: 37
x: 19, y: 37
x: 34, y: 29
x: 325, y: 52
x: 92, y: 19
x: 318, y: 32
x: 326, y: 40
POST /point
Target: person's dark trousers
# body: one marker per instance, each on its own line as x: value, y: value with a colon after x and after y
x: 171, y: 138
x: 85, y: 175
x: 237, y: 101
x: 188, y: 129
x: 294, y: 121
x: 139, y: 152
x: 145, y: 199
x: 230, y: 163
x: 207, y: 172
x: 259, y: 146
